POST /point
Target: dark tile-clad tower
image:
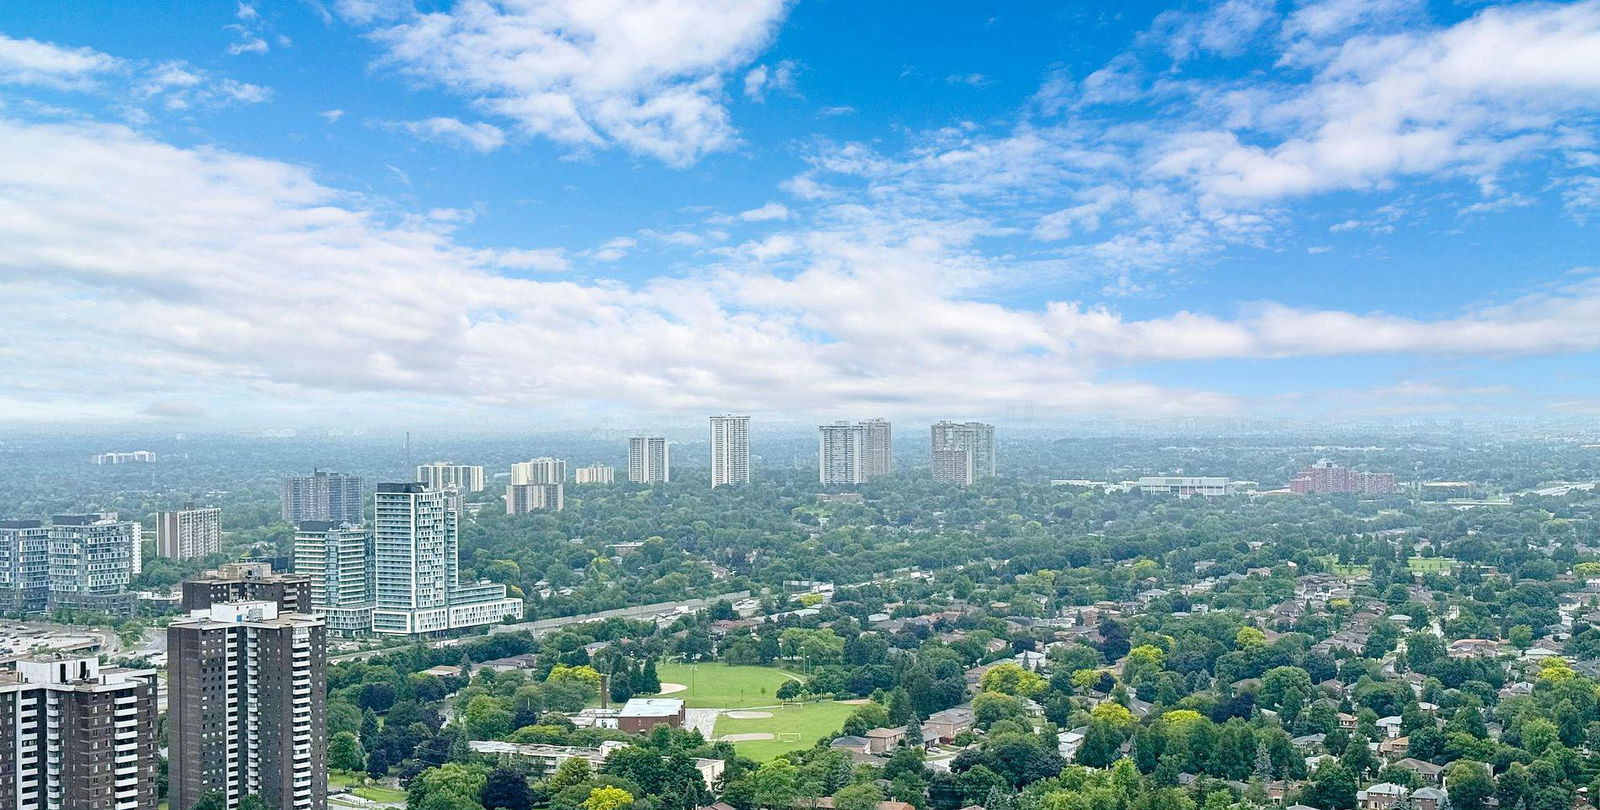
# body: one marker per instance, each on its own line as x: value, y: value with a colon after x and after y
x: 247, y: 706
x: 74, y: 736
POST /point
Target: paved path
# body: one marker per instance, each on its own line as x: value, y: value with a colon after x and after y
x: 701, y: 720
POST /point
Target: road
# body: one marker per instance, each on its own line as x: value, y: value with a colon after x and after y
x: 543, y: 626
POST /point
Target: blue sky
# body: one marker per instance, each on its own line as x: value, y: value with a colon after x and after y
x: 569, y: 211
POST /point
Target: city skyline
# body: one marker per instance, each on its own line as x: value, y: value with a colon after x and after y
x: 1224, y: 210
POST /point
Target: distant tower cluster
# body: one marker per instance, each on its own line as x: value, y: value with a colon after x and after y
x: 543, y: 470
x: 329, y: 496
x: 648, y: 460
x: 730, y: 450
x: 1325, y: 477
x: 963, y: 452
x: 854, y: 452
x: 444, y: 475
x: 524, y: 498
x: 135, y: 457
x: 189, y: 532
x: 594, y: 474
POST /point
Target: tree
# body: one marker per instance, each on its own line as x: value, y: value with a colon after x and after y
x: 572, y: 771
x: 1333, y: 787
x: 345, y: 752
x: 1469, y: 784
x: 378, y: 764
x: 860, y: 796
x: 369, y: 728
x: 214, y: 800
x: 506, y: 789
x: 776, y: 785
x: 1520, y: 636
x: 486, y: 719
x: 1010, y: 678
x: 607, y: 797
x: 1358, y: 757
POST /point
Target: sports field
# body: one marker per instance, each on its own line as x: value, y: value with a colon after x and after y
x: 791, y: 726
x: 760, y: 726
x: 719, y: 686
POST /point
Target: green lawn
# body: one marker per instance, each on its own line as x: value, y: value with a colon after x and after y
x: 807, y: 720
x: 352, y: 781
x: 719, y: 686
x: 1423, y: 565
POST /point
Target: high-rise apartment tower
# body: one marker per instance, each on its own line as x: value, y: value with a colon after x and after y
x: 730, y: 450
x: 649, y: 460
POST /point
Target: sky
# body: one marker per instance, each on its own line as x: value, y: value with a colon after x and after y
x: 562, y: 212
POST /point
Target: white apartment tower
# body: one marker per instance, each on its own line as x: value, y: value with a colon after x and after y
x: 963, y: 452
x: 854, y: 452
x: 594, y: 474
x: 524, y: 498
x: 648, y: 460
x: 444, y: 475
x: 337, y: 558
x: 188, y: 533
x: 877, y: 453
x: 93, y: 557
x: 543, y: 470
x: 730, y: 450
x: 416, y: 575
x: 77, y: 736
x: 839, y: 447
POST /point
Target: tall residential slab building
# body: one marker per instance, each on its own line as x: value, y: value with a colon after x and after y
x: 416, y: 573
x: 77, y: 736
x: 247, y: 712
x: 543, y: 470
x: 80, y: 562
x: 444, y: 475
x: 24, y: 566
x: 594, y: 474
x: 877, y: 454
x: 649, y: 460
x: 189, y: 532
x: 1325, y: 477
x: 963, y: 452
x: 524, y: 498
x: 323, y: 495
x: 337, y: 560
x: 854, y: 452
x: 730, y: 450
x: 93, y: 557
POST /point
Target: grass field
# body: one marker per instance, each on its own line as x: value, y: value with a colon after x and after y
x: 350, y: 780
x: 1418, y: 565
x: 719, y: 686
x: 807, y: 720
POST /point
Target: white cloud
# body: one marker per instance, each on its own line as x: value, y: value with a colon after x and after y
x: 477, y: 136
x: 544, y: 260
x: 766, y: 213
x: 1464, y: 100
x: 248, y: 43
x: 331, y: 116
x: 613, y: 249
x: 762, y: 80
x: 969, y: 79
x: 30, y: 62
x: 249, y: 275
x: 590, y: 73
